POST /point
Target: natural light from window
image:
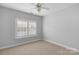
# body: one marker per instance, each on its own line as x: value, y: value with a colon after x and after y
x: 25, y: 28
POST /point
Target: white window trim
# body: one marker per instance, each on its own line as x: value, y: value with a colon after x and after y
x: 27, y: 32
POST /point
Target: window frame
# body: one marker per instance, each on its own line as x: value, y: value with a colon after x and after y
x: 27, y: 27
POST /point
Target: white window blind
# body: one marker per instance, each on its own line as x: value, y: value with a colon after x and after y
x: 25, y: 28
x: 32, y: 28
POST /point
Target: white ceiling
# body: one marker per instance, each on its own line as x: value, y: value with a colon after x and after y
x: 29, y: 7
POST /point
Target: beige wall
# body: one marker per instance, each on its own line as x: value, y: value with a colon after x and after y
x: 7, y: 26
x: 63, y: 26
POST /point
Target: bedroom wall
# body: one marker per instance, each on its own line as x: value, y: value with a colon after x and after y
x: 63, y: 27
x: 7, y: 26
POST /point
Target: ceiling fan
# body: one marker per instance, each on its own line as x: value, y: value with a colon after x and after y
x: 39, y: 7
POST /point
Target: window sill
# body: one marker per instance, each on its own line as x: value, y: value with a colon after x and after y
x: 25, y: 37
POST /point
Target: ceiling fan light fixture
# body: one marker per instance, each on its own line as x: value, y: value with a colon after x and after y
x: 40, y: 9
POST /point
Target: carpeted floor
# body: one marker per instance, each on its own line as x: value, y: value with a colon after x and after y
x: 37, y: 48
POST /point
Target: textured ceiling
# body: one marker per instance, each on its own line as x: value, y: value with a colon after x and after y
x: 29, y: 7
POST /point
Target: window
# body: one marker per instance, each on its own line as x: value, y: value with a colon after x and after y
x: 32, y: 28
x: 25, y: 28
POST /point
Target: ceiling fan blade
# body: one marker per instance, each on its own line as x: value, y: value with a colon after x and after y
x: 45, y: 8
x: 34, y: 8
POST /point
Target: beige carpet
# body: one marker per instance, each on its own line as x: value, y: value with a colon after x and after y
x: 37, y: 48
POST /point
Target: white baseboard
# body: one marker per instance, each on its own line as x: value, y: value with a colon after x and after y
x: 65, y: 46
x: 21, y: 43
